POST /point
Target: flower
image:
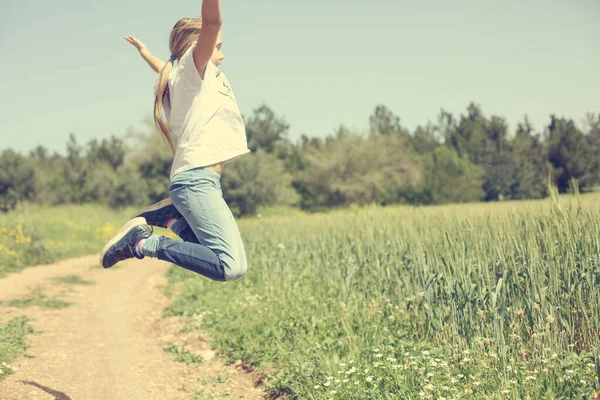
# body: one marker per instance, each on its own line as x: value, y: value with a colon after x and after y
x: 369, y: 379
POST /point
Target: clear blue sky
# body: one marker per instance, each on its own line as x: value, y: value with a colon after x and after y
x: 319, y: 63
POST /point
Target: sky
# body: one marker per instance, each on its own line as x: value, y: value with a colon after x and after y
x: 317, y: 63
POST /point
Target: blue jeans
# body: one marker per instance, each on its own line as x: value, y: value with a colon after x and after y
x: 212, y: 245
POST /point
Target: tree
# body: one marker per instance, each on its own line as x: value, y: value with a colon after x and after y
x: 449, y: 178
x: 530, y: 175
x: 485, y: 143
x: 256, y: 180
x: 593, y: 140
x: 425, y: 139
x: 152, y: 158
x: 109, y: 151
x: 569, y: 154
x: 265, y: 130
x: 497, y: 160
x: 353, y: 169
x: 17, y: 179
x: 384, y: 122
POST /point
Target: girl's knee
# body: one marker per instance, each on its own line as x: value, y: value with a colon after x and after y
x: 235, y: 269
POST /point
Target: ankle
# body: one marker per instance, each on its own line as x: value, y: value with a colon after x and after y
x: 171, y: 222
x: 139, y: 247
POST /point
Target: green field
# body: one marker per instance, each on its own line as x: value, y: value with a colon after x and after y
x: 33, y: 235
x: 494, y: 300
x: 464, y: 301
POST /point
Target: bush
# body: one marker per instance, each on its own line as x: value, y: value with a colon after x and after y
x: 17, y: 179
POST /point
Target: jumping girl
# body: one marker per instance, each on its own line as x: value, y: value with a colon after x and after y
x: 202, y: 113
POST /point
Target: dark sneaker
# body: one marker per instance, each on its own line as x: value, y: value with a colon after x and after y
x: 122, y: 246
x: 158, y: 214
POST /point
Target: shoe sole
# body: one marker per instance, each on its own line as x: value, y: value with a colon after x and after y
x: 124, y: 230
x: 156, y: 206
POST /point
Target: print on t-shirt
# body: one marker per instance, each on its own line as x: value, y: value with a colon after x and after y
x: 223, y: 85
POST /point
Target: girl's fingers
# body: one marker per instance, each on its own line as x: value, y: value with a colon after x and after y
x: 131, y: 39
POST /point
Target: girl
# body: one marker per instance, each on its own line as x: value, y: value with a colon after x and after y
x: 202, y: 113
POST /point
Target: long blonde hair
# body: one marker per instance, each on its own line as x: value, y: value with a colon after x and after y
x: 184, y: 34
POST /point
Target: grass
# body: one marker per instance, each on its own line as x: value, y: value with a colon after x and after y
x: 496, y: 300
x: 212, y: 395
x: 33, y: 235
x: 12, y: 342
x: 73, y: 280
x: 182, y: 355
x: 39, y: 299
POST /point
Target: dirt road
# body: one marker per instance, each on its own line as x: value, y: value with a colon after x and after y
x: 108, y: 344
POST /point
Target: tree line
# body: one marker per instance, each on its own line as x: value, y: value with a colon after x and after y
x: 459, y: 158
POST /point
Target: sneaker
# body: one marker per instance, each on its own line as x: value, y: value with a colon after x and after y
x: 158, y: 214
x: 122, y: 246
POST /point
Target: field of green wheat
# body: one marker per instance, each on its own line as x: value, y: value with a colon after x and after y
x: 471, y: 301
x: 497, y: 300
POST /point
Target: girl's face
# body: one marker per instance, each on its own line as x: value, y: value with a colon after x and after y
x: 217, y: 55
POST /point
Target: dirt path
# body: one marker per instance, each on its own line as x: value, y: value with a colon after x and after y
x: 109, y: 343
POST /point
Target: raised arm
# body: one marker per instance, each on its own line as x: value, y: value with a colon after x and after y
x: 207, y: 40
x: 154, y: 62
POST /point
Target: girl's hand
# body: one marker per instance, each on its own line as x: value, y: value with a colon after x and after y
x: 141, y: 46
x: 154, y: 62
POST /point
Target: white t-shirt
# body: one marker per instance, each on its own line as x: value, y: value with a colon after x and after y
x: 203, y: 115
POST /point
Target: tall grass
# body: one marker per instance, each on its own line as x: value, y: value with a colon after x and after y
x: 463, y: 301
x: 34, y: 235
